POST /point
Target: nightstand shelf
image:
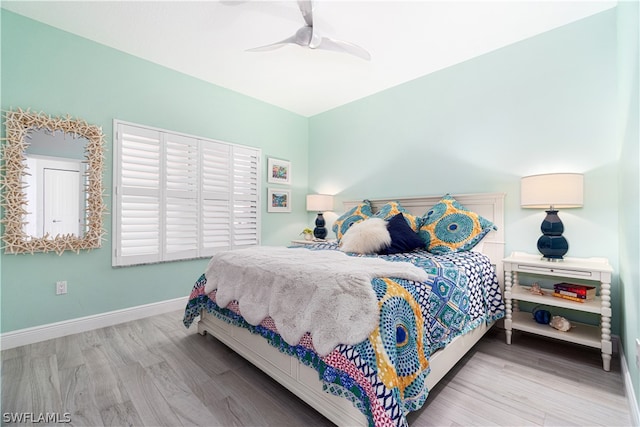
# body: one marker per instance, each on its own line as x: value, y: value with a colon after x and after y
x: 521, y: 293
x: 581, y: 333
x: 591, y: 269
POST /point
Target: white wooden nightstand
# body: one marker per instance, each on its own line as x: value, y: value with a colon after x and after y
x: 303, y: 242
x: 591, y: 269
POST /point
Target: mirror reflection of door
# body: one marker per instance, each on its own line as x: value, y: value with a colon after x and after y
x: 61, y: 202
x: 55, y: 184
x: 55, y: 202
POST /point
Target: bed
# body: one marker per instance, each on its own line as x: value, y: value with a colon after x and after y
x: 375, y: 382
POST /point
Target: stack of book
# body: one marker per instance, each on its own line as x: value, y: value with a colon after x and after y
x: 574, y: 292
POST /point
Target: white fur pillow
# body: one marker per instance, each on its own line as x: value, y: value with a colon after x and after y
x: 366, y: 237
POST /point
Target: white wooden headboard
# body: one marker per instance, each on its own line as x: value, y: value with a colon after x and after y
x: 488, y: 205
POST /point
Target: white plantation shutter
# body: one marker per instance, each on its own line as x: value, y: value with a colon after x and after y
x: 180, y: 197
x: 181, y: 192
x: 246, y: 193
x: 216, y: 171
x: 138, y: 195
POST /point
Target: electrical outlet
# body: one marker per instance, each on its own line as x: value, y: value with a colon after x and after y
x: 61, y: 287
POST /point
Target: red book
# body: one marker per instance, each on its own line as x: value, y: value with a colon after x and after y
x: 580, y: 291
x: 573, y: 294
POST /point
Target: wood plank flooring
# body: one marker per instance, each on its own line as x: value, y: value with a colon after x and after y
x: 154, y: 372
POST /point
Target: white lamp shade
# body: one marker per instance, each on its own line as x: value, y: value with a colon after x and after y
x: 557, y: 190
x: 319, y: 202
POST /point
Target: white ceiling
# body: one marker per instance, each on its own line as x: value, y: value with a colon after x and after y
x: 208, y: 39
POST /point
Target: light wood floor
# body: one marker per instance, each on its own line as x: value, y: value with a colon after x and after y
x: 154, y: 372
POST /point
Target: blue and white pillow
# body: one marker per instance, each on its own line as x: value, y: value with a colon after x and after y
x: 392, y: 209
x: 450, y: 227
x: 356, y: 214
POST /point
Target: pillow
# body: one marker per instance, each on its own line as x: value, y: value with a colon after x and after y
x: 366, y: 237
x: 392, y: 209
x: 403, y: 238
x: 450, y: 227
x: 347, y: 219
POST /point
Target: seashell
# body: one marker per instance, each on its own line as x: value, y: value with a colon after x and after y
x: 536, y: 290
x: 560, y: 323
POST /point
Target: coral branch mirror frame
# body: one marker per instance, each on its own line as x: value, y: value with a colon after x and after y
x: 13, y: 197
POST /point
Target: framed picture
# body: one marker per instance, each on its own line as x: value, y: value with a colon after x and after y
x: 278, y: 200
x: 279, y: 171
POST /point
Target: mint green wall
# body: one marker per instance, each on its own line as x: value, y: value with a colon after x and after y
x: 628, y: 92
x: 546, y: 104
x: 48, y: 70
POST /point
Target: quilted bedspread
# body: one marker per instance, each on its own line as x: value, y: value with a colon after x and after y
x: 384, y: 376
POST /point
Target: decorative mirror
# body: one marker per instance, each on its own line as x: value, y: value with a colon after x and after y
x: 52, y: 183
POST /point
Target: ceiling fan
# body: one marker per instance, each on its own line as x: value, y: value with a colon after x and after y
x: 306, y: 36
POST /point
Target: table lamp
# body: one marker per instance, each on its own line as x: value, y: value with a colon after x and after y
x: 552, y: 192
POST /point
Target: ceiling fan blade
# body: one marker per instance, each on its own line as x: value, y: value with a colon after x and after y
x: 273, y: 46
x: 306, y: 8
x: 343, y: 47
x: 307, y: 37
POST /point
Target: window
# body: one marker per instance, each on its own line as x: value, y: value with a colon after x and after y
x: 181, y: 197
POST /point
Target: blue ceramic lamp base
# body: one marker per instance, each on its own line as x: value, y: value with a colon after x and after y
x: 320, y: 232
x: 552, y: 245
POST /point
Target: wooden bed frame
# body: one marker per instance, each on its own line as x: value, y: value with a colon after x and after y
x: 303, y: 381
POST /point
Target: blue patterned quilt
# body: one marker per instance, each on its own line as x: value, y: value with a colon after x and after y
x: 384, y: 376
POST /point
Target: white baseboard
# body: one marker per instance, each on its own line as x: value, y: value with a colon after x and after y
x: 628, y: 385
x: 82, y: 324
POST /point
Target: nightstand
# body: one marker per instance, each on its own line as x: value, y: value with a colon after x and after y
x: 303, y: 242
x: 591, y: 269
